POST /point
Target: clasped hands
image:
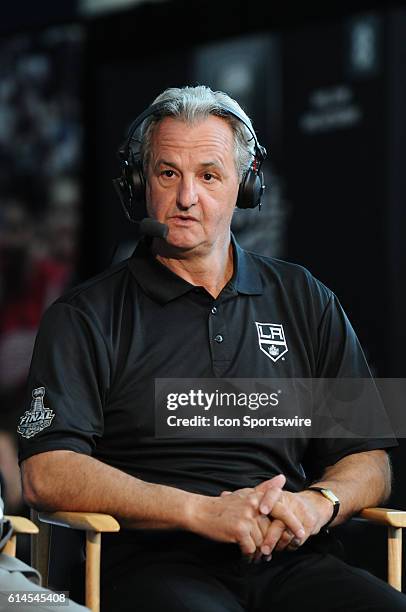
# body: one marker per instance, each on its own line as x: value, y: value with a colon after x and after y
x: 274, y: 519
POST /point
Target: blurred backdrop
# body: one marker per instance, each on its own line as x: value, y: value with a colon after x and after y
x: 326, y: 90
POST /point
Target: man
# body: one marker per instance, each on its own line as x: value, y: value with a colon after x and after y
x: 188, y: 306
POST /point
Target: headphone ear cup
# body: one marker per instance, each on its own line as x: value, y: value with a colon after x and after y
x: 137, y: 184
x: 250, y: 190
x: 134, y: 185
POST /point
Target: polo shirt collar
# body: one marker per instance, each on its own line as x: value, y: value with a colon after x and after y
x: 163, y: 285
x: 246, y: 278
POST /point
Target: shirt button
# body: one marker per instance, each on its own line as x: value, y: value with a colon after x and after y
x: 214, y: 310
x: 219, y: 338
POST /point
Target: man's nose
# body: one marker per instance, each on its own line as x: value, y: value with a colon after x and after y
x: 187, y: 193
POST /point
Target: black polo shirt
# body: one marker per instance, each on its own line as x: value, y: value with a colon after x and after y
x: 101, y: 346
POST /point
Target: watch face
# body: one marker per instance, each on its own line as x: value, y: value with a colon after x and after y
x: 330, y: 495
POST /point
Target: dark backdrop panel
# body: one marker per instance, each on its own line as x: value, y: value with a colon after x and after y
x: 396, y: 188
x: 335, y: 142
x: 344, y: 120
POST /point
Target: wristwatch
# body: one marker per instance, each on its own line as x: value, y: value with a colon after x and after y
x: 328, y: 494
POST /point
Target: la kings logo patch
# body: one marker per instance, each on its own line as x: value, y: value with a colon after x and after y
x: 38, y: 417
x: 272, y: 341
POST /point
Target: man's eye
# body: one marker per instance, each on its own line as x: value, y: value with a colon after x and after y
x: 207, y: 176
x: 168, y: 173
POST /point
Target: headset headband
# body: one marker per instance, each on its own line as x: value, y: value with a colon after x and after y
x: 260, y: 151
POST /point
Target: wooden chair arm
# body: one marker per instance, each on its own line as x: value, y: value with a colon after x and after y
x: 84, y: 521
x: 94, y: 524
x: 394, y: 520
x: 384, y: 516
x: 20, y: 524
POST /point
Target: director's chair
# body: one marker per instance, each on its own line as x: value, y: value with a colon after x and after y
x: 95, y: 524
x: 20, y: 524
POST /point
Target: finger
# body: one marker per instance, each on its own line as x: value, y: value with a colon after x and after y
x: 258, y: 538
x: 275, y: 531
x: 263, y: 523
x: 271, y: 496
x: 278, y: 481
x: 257, y: 535
x: 224, y: 493
x: 257, y: 556
x: 286, y: 538
x: 294, y: 544
x: 247, y: 546
x: 252, y: 540
x: 281, y: 512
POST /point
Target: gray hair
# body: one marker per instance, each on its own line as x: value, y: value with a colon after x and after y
x: 192, y: 104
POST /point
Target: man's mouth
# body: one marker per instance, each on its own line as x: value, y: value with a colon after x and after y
x: 183, y: 219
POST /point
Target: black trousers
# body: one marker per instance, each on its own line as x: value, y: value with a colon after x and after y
x: 180, y: 572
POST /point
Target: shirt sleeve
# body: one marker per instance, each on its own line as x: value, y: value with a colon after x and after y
x: 341, y: 362
x: 66, y: 386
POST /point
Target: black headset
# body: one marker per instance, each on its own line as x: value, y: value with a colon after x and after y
x: 130, y: 186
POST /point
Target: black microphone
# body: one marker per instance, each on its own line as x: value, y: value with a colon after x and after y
x: 155, y: 229
x: 147, y: 226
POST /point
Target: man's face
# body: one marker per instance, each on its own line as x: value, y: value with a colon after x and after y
x: 192, y: 182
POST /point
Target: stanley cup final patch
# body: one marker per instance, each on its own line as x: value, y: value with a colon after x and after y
x: 272, y: 341
x: 37, y: 418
